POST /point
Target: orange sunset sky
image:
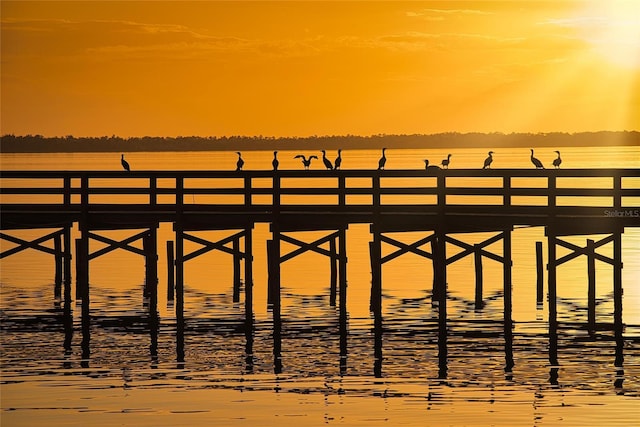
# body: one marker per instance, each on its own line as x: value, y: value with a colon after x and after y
x: 205, y: 68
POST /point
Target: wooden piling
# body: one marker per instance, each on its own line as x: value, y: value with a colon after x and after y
x: 617, y: 280
x: 276, y: 307
x: 376, y: 275
x: 342, y: 264
x: 270, y: 272
x: 478, y: 267
x: 149, y: 245
x: 551, y: 283
x: 508, y: 300
x: 540, y: 274
x: 248, y: 299
x: 58, y: 256
x: 67, y: 263
x: 333, y: 265
x: 171, y: 275
x: 179, y: 267
x: 440, y: 257
x: 236, y: 270
x: 342, y: 253
x: 591, y: 293
x: 248, y: 275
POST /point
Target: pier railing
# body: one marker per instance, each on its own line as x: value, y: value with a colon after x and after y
x: 599, y: 192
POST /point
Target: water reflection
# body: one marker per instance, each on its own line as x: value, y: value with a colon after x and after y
x: 410, y: 341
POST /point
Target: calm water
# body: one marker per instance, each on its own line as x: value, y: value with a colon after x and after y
x: 132, y: 376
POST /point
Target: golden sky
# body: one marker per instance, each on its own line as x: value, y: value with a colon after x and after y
x: 135, y: 68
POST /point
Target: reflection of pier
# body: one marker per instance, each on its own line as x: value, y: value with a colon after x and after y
x: 442, y: 204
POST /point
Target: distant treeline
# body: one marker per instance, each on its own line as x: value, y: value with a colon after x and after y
x: 41, y: 144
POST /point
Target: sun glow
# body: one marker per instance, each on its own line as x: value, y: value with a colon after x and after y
x: 612, y: 28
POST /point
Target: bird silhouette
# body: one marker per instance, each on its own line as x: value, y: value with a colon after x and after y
x: 240, y: 162
x: 445, y: 162
x: 275, y: 161
x: 383, y: 160
x: 488, y: 160
x: 124, y: 163
x: 427, y: 166
x: 537, y: 163
x: 327, y: 162
x: 338, y: 161
x: 305, y: 162
x: 557, y: 161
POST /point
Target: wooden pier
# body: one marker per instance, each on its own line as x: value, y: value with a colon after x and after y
x: 437, y: 202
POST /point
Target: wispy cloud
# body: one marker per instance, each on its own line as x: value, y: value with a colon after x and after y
x: 442, y: 13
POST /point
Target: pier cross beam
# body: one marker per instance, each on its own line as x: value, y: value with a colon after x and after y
x: 590, y: 252
x: 239, y: 254
x: 149, y: 251
x: 336, y: 254
x: 61, y: 251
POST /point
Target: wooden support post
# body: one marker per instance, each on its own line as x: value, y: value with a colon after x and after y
x: 270, y: 272
x: 342, y: 254
x: 440, y: 257
x: 171, y: 275
x: 617, y: 292
x: 149, y: 245
x: 376, y: 275
x: 82, y: 265
x: 539, y: 275
x: 277, y: 318
x: 82, y: 283
x: 236, y: 269
x: 179, y: 264
x: 478, y: 265
x: 248, y: 298
x: 58, y: 256
x: 67, y: 263
x: 434, y: 262
x: 333, y: 264
x: 508, y: 301
x: 342, y: 264
x: 248, y: 273
x: 591, y: 293
x: 553, y: 314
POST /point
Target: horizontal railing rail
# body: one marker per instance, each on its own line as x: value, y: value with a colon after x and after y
x: 603, y: 188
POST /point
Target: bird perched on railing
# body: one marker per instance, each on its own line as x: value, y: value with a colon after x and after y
x: 338, y: 161
x: 537, y: 163
x: 124, y: 163
x: 445, y: 162
x: 327, y: 162
x: 275, y: 163
x: 488, y: 160
x: 240, y: 162
x: 305, y: 162
x: 427, y: 166
x: 383, y: 160
x: 557, y: 161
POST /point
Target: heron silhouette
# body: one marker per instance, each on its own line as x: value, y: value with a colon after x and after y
x: 557, y: 161
x: 240, y: 162
x: 327, y: 162
x: 427, y: 166
x: 383, y: 160
x: 537, y: 163
x: 124, y: 163
x: 488, y: 160
x: 445, y: 162
x: 338, y: 161
x: 275, y: 161
x: 305, y: 162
